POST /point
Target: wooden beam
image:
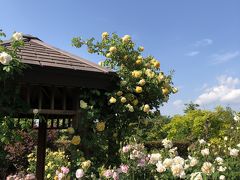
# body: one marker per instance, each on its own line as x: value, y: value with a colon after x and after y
x: 53, y: 112
x: 40, y: 98
x: 41, y: 149
x: 52, y: 98
x: 64, y: 98
x: 28, y: 95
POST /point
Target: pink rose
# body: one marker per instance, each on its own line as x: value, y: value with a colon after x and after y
x: 108, y: 173
x: 79, y: 173
x: 126, y: 148
x: 124, y: 168
x: 115, y: 176
x: 64, y: 170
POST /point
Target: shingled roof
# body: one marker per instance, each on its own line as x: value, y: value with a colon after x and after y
x: 37, y: 52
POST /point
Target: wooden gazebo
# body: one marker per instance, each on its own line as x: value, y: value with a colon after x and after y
x: 51, y: 84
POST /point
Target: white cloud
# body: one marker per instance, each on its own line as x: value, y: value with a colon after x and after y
x: 224, y: 57
x: 203, y: 42
x: 193, y: 53
x: 178, y: 103
x: 227, y: 91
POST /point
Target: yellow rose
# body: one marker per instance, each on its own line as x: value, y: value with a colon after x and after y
x: 165, y: 91
x: 141, y: 49
x: 49, y: 164
x: 126, y: 38
x: 83, y: 104
x: 147, y: 65
x: 108, y: 55
x: 138, y: 89
x: 100, y: 126
x: 119, y: 93
x: 149, y: 73
x: 123, y: 83
x: 138, y: 61
x: 86, y: 164
x: 156, y: 64
x: 105, y: 35
x: 70, y: 130
x: 49, y: 176
x: 146, y: 108
x: 90, y: 50
x: 160, y: 77
x: 55, y: 177
x: 112, y: 100
x: 123, y: 100
x: 135, y: 102
x: 142, y: 82
x: 76, y: 140
x: 153, y: 61
x: 174, y: 90
x: 140, y: 57
x: 137, y: 74
x: 130, y: 107
x: 112, y: 49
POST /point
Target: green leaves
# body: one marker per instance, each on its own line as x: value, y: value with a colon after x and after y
x: 77, y: 42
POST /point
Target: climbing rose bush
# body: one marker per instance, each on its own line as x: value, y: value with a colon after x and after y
x: 141, y: 87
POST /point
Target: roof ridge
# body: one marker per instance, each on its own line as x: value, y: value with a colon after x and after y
x: 36, y: 40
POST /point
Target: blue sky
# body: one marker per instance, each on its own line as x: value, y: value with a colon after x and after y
x: 200, y: 40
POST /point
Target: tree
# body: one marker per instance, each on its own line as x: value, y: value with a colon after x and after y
x: 190, y: 106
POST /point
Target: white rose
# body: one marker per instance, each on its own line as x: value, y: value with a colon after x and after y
x: 219, y: 160
x: 202, y: 141
x: 83, y: 104
x: 160, y: 167
x: 236, y: 118
x: 196, y: 176
x: 238, y: 145
x: 17, y: 36
x: 205, y: 152
x: 5, y: 58
x: 167, y: 143
x: 126, y: 38
x: 105, y: 35
x: 167, y: 162
x: 154, y: 158
x: 100, y: 63
x: 178, y: 160
x: 173, y: 152
x: 193, y: 161
x: 186, y: 166
x: 207, y: 168
x: 222, y: 177
x: 221, y: 169
x: 178, y: 170
x: 234, y: 152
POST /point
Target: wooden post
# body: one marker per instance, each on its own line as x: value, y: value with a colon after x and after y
x: 76, y: 106
x: 41, y: 149
x: 41, y: 143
